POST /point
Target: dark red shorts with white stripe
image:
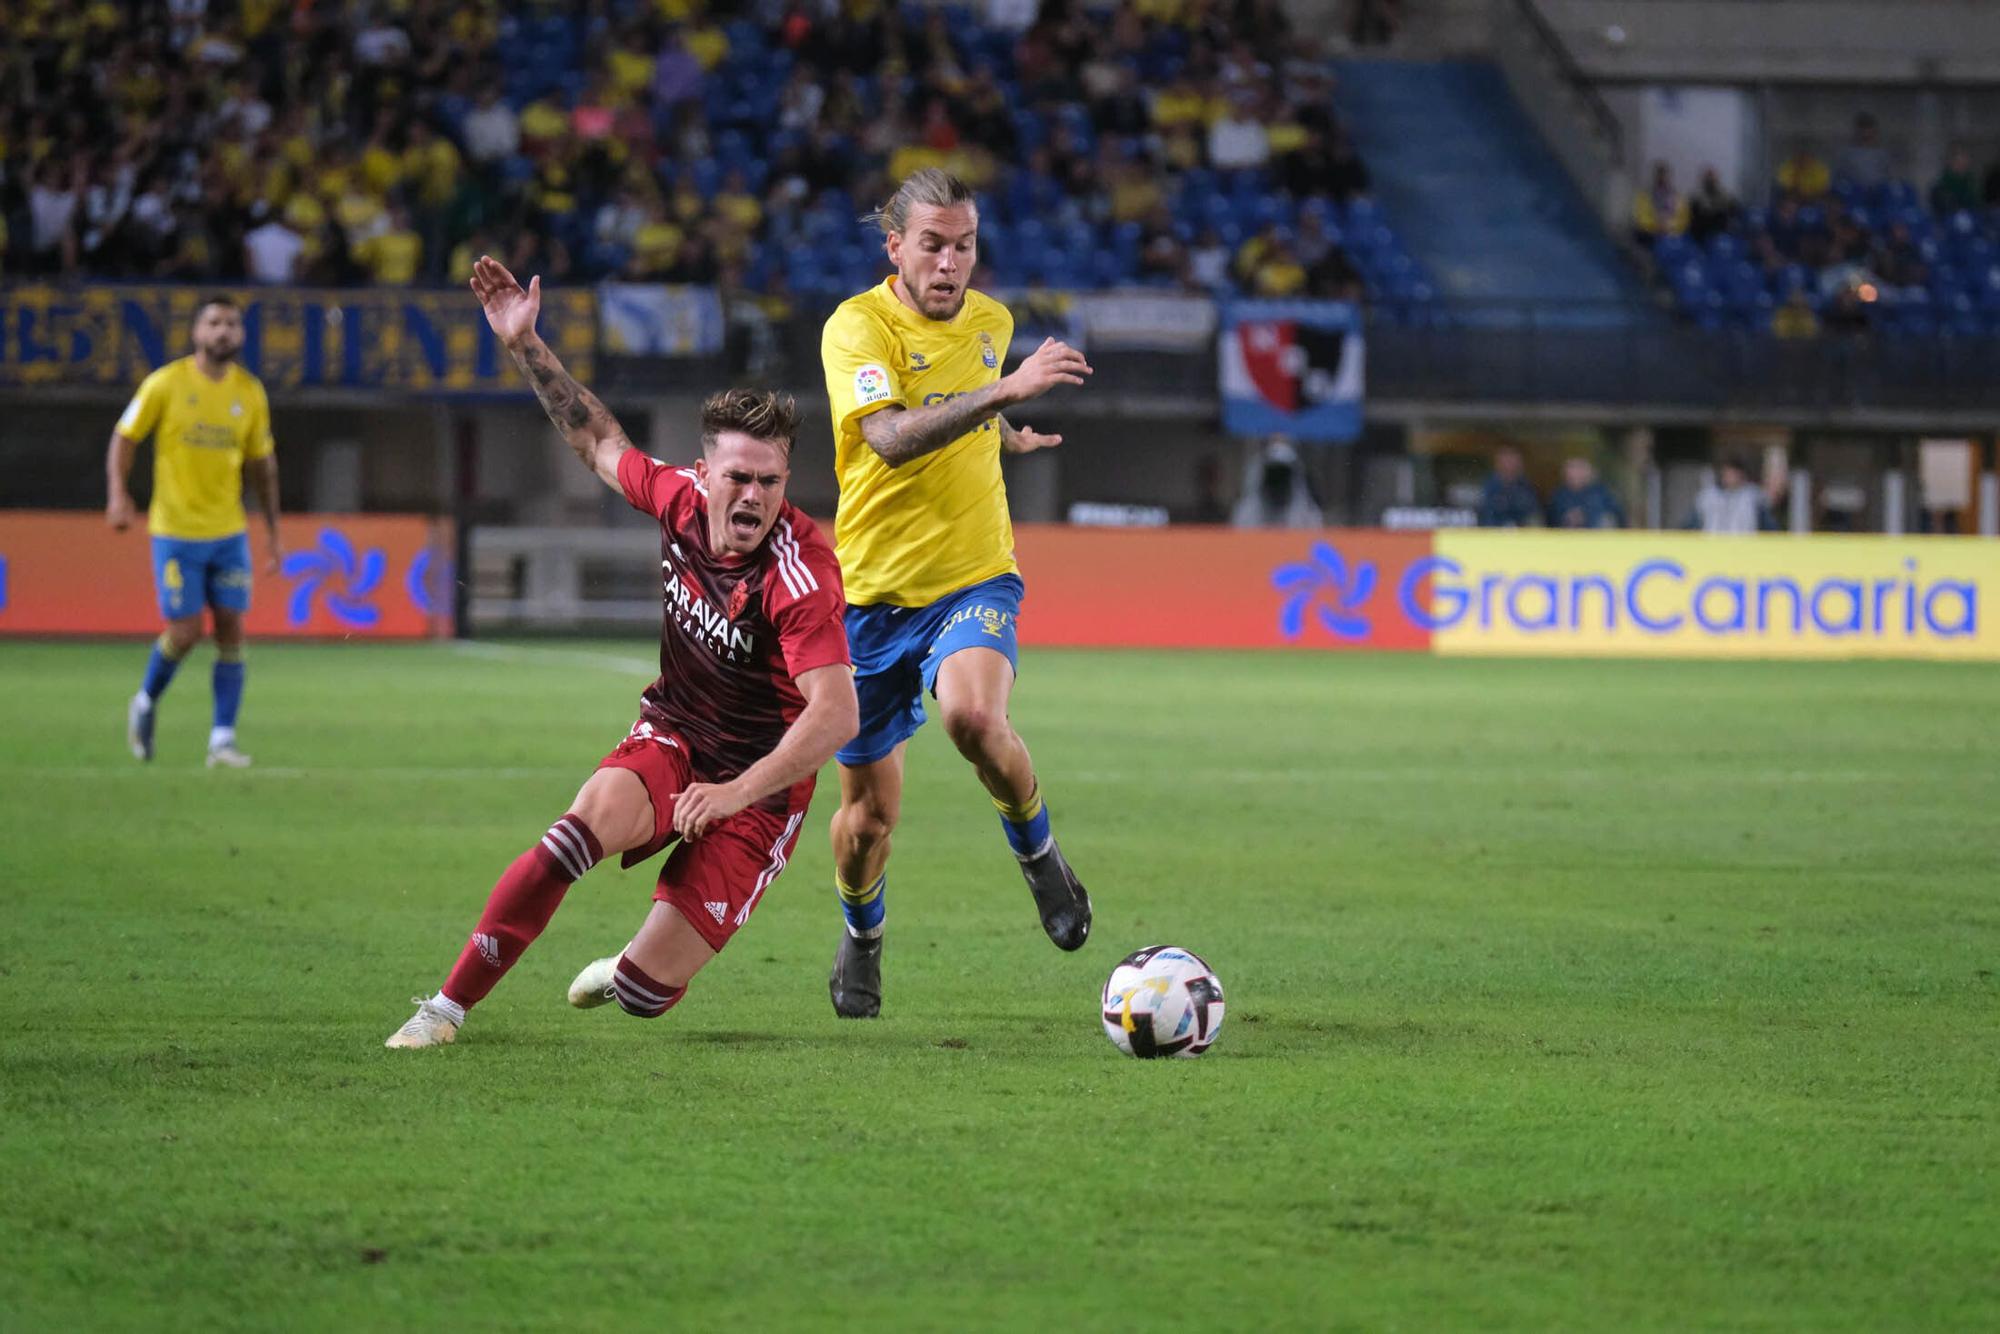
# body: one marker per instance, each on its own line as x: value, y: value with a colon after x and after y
x: 716, y: 881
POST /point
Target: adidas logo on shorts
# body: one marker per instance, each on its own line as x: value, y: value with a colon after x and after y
x: 717, y: 911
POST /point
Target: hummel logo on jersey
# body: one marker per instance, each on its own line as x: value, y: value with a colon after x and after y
x: 717, y: 911
x: 917, y: 362
x: 488, y: 947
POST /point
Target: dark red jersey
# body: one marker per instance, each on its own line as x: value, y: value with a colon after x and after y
x: 737, y: 631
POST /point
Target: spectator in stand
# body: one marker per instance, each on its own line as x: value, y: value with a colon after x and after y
x: 800, y: 103
x: 1334, y: 277
x: 1897, y: 259
x: 1208, y: 262
x: 1278, y: 272
x: 1802, y: 177
x: 1846, y: 314
x: 1236, y: 139
x: 1712, y: 210
x: 1508, y: 499
x: 1957, y: 186
x: 1659, y: 210
x: 1276, y: 492
x: 52, y: 208
x: 1583, y: 501
x: 1122, y: 110
x: 394, y: 255
x: 272, y: 252
x: 106, y: 201
x: 631, y: 65
x: 1730, y: 503
x: 1864, y: 161
x: 677, y: 75
x: 1161, y: 254
x: 655, y: 243
x: 491, y: 130
x: 1795, y: 319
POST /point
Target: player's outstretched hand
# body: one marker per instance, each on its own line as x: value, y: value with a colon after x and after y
x: 509, y: 309
x: 118, y: 512
x: 702, y: 806
x: 1026, y: 440
x: 1049, y: 365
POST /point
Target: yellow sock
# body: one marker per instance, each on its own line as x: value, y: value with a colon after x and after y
x: 1024, y: 812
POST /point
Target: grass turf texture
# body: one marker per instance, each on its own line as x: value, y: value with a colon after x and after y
x: 1560, y: 995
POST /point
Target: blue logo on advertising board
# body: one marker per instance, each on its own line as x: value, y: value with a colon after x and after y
x: 333, y: 572
x: 1327, y: 587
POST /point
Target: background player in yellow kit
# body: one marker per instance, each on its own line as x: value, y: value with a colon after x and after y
x: 913, y: 372
x: 211, y: 425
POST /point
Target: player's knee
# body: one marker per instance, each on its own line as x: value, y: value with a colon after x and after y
x: 975, y: 729
x: 868, y: 822
x: 641, y: 996
x: 183, y: 637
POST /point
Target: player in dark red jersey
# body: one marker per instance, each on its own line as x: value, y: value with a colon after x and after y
x: 754, y: 695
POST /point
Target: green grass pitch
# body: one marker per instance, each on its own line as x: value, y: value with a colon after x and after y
x: 1561, y: 995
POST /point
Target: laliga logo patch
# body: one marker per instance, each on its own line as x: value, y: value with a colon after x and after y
x: 986, y: 352
x: 871, y: 384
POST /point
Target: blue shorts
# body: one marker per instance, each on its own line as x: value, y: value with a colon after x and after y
x: 897, y: 652
x: 191, y: 575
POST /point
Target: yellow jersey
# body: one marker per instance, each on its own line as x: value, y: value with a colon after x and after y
x: 203, y: 431
x: 910, y: 535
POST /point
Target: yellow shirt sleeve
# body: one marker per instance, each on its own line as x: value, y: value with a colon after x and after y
x: 862, y: 367
x: 258, y: 443
x: 143, y: 413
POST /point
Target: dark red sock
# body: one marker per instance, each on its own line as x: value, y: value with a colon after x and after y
x: 521, y: 904
x: 640, y: 995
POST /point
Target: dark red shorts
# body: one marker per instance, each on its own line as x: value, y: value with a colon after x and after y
x: 716, y: 881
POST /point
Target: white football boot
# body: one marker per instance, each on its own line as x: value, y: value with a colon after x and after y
x: 226, y: 756
x: 592, y: 987
x: 430, y: 1026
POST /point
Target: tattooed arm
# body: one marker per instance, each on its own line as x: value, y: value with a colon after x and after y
x: 584, y: 421
x: 902, y: 434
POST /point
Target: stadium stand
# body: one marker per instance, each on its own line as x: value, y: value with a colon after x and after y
x: 1192, y: 145
x: 1847, y: 251
x: 1488, y: 208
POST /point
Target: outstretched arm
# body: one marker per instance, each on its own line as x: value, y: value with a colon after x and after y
x: 264, y: 475
x: 584, y: 421
x: 829, y: 721
x: 118, y: 507
x: 902, y: 434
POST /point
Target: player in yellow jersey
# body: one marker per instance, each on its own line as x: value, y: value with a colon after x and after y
x: 211, y: 426
x: 913, y: 372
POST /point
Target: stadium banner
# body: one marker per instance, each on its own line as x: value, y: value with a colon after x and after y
x: 364, y: 576
x: 1295, y: 368
x: 1145, y: 321
x: 1643, y: 594
x: 371, y: 339
x: 656, y: 320
x: 1219, y: 587
x: 1511, y: 592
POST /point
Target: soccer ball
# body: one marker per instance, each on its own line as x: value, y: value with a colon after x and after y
x: 1162, y: 1001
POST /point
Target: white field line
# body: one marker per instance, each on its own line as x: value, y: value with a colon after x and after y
x: 413, y: 772
x: 1348, y: 773
x: 613, y: 662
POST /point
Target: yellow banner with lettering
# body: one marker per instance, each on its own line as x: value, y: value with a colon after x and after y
x: 1692, y: 595
x: 367, y: 339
